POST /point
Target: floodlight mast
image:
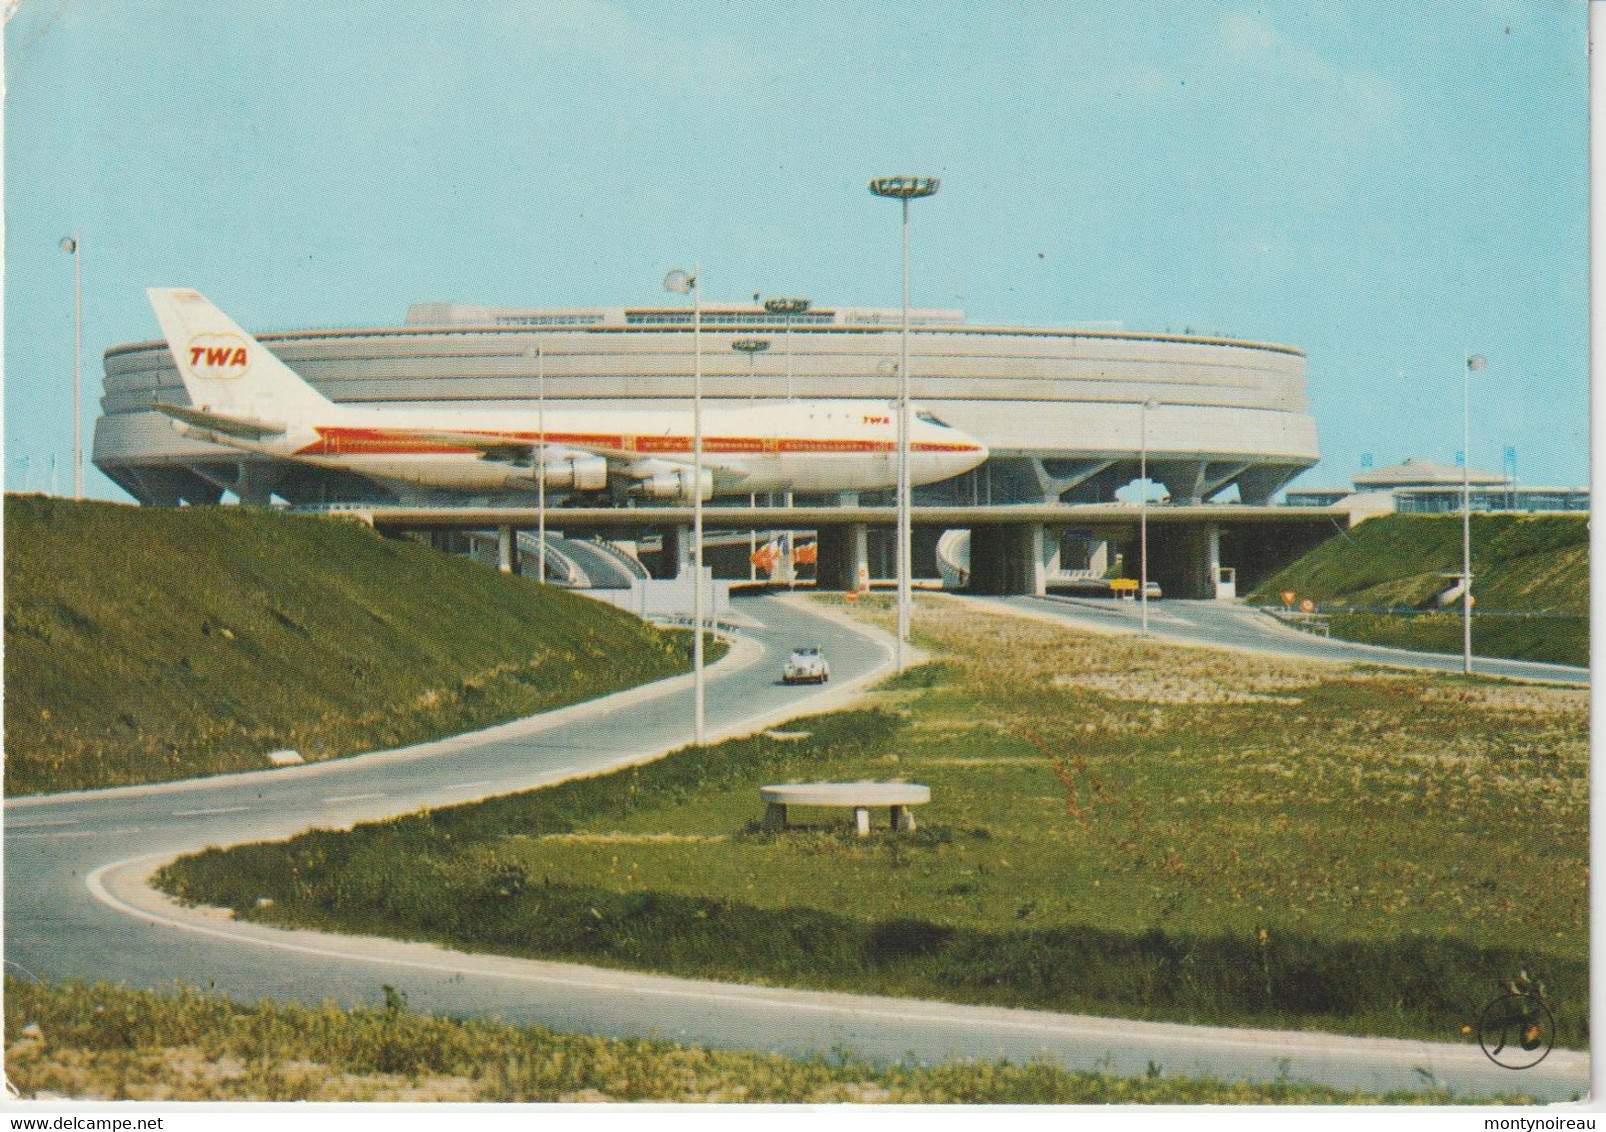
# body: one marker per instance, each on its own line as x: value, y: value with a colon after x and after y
x: 682, y: 283
x: 73, y: 246
x: 1144, y: 409
x: 752, y: 347
x: 903, y: 190
x: 540, y: 460
x: 1474, y: 361
x: 788, y: 307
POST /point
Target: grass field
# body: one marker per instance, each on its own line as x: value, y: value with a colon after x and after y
x: 1117, y: 826
x: 1531, y: 580
x: 144, y: 644
x: 111, y: 1043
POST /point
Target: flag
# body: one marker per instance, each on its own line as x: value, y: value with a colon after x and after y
x: 1477, y: 361
x: 680, y: 282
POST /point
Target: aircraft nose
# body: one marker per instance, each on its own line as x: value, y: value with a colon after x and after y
x: 973, y: 456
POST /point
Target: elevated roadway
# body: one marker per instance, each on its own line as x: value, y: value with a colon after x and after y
x: 1014, y: 548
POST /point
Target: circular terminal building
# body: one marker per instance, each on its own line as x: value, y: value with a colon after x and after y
x: 1066, y: 413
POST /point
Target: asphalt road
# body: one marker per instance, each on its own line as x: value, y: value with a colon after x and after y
x: 1236, y: 626
x: 75, y: 906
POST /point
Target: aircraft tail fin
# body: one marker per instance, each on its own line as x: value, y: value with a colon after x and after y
x: 225, y: 370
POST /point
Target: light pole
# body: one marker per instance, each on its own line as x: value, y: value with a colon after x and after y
x: 540, y: 460
x: 1143, y: 509
x: 684, y: 284
x: 70, y: 244
x: 788, y: 307
x: 1474, y: 361
x: 752, y: 347
x: 904, y: 189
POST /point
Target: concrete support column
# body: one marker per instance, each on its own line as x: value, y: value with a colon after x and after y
x: 507, y: 541
x: 677, y: 553
x: 844, y: 557
x: 254, y: 483
x: 1008, y: 559
x: 1180, y: 558
x: 1047, y: 558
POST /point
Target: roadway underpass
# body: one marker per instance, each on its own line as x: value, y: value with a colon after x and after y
x: 1013, y: 550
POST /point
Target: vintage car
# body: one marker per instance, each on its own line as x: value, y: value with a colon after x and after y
x: 806, y: 665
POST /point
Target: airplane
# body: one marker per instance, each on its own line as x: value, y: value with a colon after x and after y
x: 245, y: 398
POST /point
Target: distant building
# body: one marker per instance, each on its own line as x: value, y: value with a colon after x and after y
x: 1425, y: 488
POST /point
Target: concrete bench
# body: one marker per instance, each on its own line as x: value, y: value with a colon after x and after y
x: 898, y: 796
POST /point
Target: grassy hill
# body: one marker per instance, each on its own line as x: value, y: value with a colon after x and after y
x: 146, y: 644
x: 1382, y: 579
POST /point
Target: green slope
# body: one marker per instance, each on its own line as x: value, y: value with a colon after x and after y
x: 146, y: 644
x: 1382, y: 579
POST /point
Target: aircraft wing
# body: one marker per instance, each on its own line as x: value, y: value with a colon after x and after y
x: 246, y: 428
x: 510, y: 448
x: 520, y: 448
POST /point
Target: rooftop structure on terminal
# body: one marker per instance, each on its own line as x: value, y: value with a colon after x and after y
x: 719, y: 314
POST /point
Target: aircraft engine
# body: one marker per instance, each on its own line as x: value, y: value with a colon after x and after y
x: 577, y: 473
x: 677, y: 484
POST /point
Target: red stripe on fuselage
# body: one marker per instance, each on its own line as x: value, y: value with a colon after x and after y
x: 344, y: 441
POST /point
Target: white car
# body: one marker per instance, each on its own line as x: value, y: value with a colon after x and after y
x: 806, y: 665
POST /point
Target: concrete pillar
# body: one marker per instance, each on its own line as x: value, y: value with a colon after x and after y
x: 1180, y: 558
x: 507, y: 550
x: 1008, y: 559
x: 844, y: 556
x: 253, y: 483
x: 677, y: 553
x: 1048, y: 557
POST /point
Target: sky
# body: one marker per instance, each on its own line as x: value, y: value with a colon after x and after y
x: 1388, y: 187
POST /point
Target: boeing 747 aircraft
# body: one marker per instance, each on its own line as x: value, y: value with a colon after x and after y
x: 244, y: 397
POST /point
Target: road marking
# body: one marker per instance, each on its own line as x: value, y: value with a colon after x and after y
x: 210, y: 812
x: 59, y: 833
x: 42, y: 824
x: 465, y: 785
x: 351, y: 797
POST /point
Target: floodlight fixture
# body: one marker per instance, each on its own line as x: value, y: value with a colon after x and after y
x: 903, y: 190
x: 70, y: 245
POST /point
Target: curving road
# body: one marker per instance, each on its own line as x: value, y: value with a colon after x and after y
x: 1223, y: 624
x: 76, y: 906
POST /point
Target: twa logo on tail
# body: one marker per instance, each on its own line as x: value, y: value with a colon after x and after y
x: 218, y: 356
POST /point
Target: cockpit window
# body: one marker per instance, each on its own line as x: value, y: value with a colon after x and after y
x: 931, y: 418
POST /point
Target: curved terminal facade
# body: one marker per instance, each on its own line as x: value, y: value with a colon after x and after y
x: 1063, y: 411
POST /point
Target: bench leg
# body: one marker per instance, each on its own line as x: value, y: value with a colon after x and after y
x: 903, y: 819
x: 775, y: 816
x: 861, y: 820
